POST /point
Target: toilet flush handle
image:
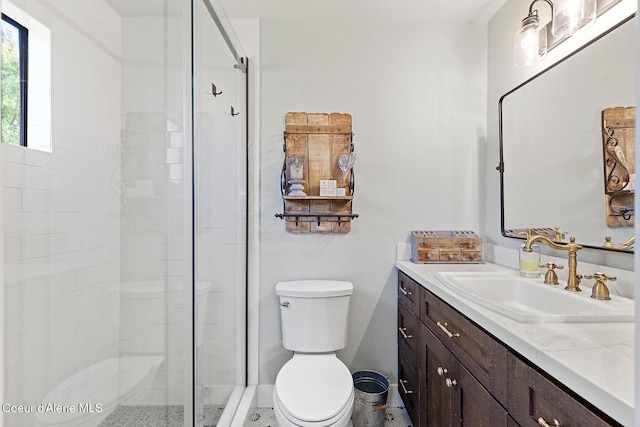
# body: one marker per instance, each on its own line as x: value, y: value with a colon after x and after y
x: 285, y: 304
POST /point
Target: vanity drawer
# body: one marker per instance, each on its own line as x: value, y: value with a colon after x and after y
x: 408, y: 292
x: 408, y: 332
x: 408, y: 388
x: 479, y: 352
x: 533, y: 396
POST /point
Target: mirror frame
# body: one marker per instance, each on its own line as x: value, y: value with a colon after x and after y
x: 500, y: 167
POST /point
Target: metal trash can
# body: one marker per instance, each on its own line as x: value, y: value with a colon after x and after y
x: 371, y: 391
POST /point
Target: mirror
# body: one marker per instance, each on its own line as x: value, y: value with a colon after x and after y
x: 551, y: 142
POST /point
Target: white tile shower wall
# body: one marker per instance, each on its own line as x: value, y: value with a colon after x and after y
x: 152, y: 236
x: 153, y: 261
x: 61, y: 215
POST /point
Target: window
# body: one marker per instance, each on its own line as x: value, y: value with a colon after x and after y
x: 26, y: 59
x: 15, y: 51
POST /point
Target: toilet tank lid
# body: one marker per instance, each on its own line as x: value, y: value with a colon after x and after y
x: 314, y: 288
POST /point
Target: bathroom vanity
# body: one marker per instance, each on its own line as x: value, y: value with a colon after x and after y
x: 460, y: 363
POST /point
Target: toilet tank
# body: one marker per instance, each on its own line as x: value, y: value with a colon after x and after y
x: 314, y: 314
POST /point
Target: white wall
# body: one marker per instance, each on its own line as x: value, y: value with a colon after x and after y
x: 62, y: 213
x: 417, y: 93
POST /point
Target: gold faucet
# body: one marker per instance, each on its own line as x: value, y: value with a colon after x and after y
x: 573, y: 280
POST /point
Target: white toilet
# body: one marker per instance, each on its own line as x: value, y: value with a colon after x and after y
x: 314, y: 388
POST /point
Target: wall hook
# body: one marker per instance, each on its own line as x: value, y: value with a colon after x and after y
x: 214, y: 90
x: 233, y: 112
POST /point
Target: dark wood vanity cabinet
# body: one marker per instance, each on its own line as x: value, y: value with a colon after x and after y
x: 535, y: 399
x: 452, y: 396
x: 453, y: 373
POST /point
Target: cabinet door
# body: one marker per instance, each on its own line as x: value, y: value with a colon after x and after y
x: 452, y: 396
x: 471, y: 404
x: 534, y: 400
x: 435, y: 367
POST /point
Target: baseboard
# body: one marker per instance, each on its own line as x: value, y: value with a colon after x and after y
x: 264, y: 396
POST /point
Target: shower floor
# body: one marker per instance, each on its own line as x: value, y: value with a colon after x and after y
x: 157, y: 416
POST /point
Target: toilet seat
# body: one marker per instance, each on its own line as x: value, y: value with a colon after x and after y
x: 314, y: 390
x: 285, y: 419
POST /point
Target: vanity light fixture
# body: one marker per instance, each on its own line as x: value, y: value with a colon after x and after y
x: 530, y: 41
x: 533, y: 40
x: 570, y: 16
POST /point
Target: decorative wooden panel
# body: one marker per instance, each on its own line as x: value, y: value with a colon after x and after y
x: 321, y: 138
x: 619, y: 155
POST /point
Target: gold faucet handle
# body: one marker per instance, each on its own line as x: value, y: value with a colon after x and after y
x: 559, y: 235
x: 600, y: 290
x: 600, y: 277
x: 551, y: 266
x: 550, y: 277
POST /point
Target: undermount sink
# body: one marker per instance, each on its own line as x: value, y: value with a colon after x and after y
x: 528, y: 300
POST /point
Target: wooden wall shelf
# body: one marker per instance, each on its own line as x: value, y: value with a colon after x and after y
x: 322, y: 139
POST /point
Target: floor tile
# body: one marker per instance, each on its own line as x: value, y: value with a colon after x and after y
x: 265, y: 417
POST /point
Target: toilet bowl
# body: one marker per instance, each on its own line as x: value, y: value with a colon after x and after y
x: 314, y: 388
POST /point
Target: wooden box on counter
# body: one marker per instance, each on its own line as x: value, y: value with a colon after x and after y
x: 459, y: 246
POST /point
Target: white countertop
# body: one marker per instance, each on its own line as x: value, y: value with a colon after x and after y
x: 595, y: 360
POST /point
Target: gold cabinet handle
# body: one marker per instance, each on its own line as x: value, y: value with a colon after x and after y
x: 404, y: 335
x: 441, y: 371
x: 404, y: 388
x: 542, y: 422
x: 405, y: 292
x: 446, y: 331
x: 450, y: 383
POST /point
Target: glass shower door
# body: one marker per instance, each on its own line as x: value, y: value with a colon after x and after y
x: 220, y: 216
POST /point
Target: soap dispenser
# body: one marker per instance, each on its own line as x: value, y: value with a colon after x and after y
x: 529, y: 261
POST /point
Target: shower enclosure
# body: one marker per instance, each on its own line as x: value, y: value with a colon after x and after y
x: 123, y: 221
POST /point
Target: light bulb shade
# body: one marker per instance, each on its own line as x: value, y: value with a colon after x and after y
x: 570, y: 16
x: 529, y: 42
